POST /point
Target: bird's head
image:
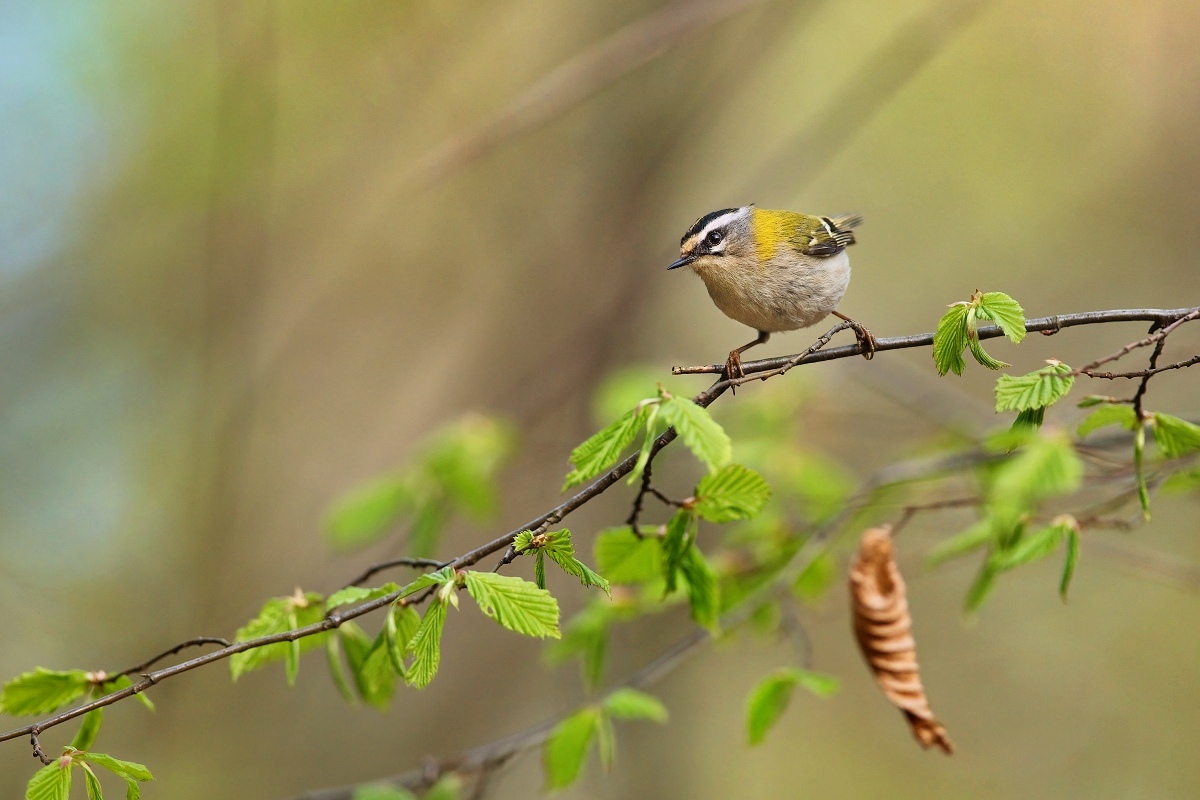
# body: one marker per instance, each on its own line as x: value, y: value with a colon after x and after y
x: 717, y: 239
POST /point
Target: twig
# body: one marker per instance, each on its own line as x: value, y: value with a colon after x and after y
x: 375, y: 569
x: 199, y: 640
x: 598, y: 487
x: 1142, y: 373
x: 1163, y: 332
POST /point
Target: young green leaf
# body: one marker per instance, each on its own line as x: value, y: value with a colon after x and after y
x: 51, y: 782
x: 1095, y: 400
x: 124, y: 682
x: 133, y: 773
x: 699, y: 431
x: 43, y: 691
x: 770, y: 698
x: 1069, y: 563
x: 950, y: 340
x: 399, y: 628
x: 558, y: 545
x: 981, y: 587
x: 1035, y: 390
x: 1175, y: 437
x: 960, y: 544
x: 86, y: 735
x: 292, y: 654
x: 374, y: 673
x: 606, y: 740
x: 539, y: 570
x: 624, y: 558
x: 333, y: 659
x: 679, y: 537
x: 703, y: 592
x: 1047, y: 466
x: 382, y: 791
x: 626, y: 703
x: 448, y: 787
x: 1035, y: 546
x: 358, y: 594
x: 586, y: 635
x: 732, y: 493
x: 1105, y: 416
x: 517, y: 604
x: 278, y: 615
x: 815, y: 579
x: 976, y: 346
x: 1139, y: 471
x: 1029, y: 420
x: 603, y: 449
x: 566, y: 748
x: 1005, y: 312
x: 364, y: 514
x: 94, y: 790
x: 427, y: 646
x: 648, y: 439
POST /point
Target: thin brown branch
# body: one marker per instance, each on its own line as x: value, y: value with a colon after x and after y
x: 199, y: 640
x: 375, y: 569
x: 1169, y: 318
x: 1163, y: 332
x: 1141, y: 373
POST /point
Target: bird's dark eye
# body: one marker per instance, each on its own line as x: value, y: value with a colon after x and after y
x: 714, y: 238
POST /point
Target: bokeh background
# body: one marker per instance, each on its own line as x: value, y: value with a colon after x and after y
x: 250, y: 253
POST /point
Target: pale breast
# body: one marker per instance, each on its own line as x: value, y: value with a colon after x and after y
x: 780, y: 297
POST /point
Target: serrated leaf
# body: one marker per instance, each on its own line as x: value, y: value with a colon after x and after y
x: 400, y: 627
x: 278, y: 615
x: 358, y: 594
x: 981, y: 587
x: 381, y: 791
x: 604, y: 448
x: 1047, y: 466
x: 94, y: 790
x: 648, y: 438
x: 606, y: 741
x: 515, y: 603
x: 126, y: 769
x: 626, y: 703
x: 1035, y: 390
x: 1069, y: 563
x: 363, y: 514
x: 558, y: 546
x: 950, y: 340
x: 463, y: 459
x: 976, y: 346
x: 1029, y: 420
x: 586, y: 635
x: 679, y: 537
x: 51, y: 782
x: 1095, y: 400
x: 427, y: 646
x: 43, y: 691
x: 974, y: 537
x: 770, y: 698
x: 86, y: 735
x: 1139, y: 471
x: 566, y: 749
x: 523, y: 541
x: 539, y: 570
x: 333, y: 659
x: 1035, y: 546
x: 292, y: 654
x: 703, y: 592
x: 1175, y: 437
x: 625, y: 558
x: 1005, y: 312
x: 698, y: 431
x: 375, y: 674
x: 732, y: 493
x: 1105, y: 416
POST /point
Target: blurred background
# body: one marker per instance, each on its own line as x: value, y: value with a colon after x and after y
x: 251, y: 253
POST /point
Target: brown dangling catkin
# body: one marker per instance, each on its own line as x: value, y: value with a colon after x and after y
x: 883, y: 628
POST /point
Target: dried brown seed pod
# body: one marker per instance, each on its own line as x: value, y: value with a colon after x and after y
x: 883, y: 628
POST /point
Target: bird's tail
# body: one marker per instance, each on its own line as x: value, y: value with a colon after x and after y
x: 846, y: 221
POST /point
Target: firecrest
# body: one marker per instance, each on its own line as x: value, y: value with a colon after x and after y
x: 773, y: 270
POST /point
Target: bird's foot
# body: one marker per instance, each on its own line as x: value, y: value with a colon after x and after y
x: 866, y: 339
x: 733, y: 366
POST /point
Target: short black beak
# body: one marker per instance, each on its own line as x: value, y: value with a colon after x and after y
x: 682, y: 262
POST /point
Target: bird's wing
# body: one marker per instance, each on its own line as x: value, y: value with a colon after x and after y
x: 825, y: 236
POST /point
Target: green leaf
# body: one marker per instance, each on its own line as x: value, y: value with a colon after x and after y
x: 586, y: 635
x: 604, y: 448
x: 960, y: 544
x: 1105, y: 416
x: 1096, y: 399
x: 1069, y: 564
x: 375, y: 674
x: 950, y: 340
x: 680, y: 534
x: 703, y: 594
x: 43, y: 691
x: 94, y: 790
x: 358, y: 594
x: 1029, y: 420
x: 51, y: 782
x: 606, y: 741
x: 1046, y: 467
x: 770, y: 698
x: 363, y: 514
x: 126, y: 769
x: 626, y: 703
x: 1005, y: 312
x: 292, y: 654
x: 382, y: 791
x: 86, y: 735
x: 559, y: 547
x: 539, y: 570
x: 566, y: 748
x: 448, y: 787
x: 1033, y: 547
x: 981, y: 587
x: 400, y: 628
x: 1175, y: 437
x: 278, y: 615
x: 427, y: 646
x: 463, y: 459
x: 515, y: 603
x: 976, y: 346
x: 732, y: 493
x: 624, y: 558
x: 648, y: 438
x: 699, y: 431
x: 333, y: 659
x: 124, y: 682
x: 1035, y: 390
x: 1139, y: 471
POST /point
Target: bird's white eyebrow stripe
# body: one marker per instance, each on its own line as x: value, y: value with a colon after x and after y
x: 719, y: 222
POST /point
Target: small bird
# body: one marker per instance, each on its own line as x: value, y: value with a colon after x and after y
x: 772, y: 270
